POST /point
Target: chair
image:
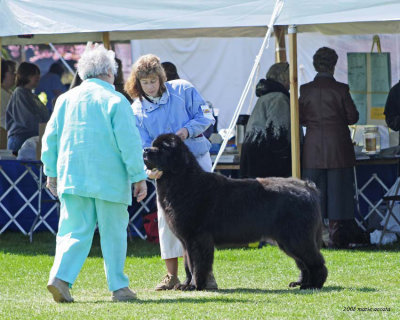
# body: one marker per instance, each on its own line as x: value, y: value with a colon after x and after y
x: 391, y: 197
x: 144, y: 206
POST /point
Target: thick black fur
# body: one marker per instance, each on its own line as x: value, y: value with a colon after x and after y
x: 205, y: 209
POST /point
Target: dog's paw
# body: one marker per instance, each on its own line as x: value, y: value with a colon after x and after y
x: 294, y: 284
x: 308, y: 286
x: 185, y: 287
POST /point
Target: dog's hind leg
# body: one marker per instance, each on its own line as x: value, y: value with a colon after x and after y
x: 304, y: 274
x: 310, y: 262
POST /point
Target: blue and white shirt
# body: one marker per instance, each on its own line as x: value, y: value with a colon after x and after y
x: 180, y: 106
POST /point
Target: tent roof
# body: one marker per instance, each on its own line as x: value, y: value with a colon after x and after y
x: 342, y: 16
x: 150, y: 18
x: 63, y: 21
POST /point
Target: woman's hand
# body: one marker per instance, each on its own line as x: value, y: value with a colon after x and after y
x: 182, y: 133
x: 154, y: 174
x: 140, y: 190
x: 52, y: 185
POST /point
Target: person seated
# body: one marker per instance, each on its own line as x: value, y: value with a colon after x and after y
x: 24, y: 111
x: 51, y: 85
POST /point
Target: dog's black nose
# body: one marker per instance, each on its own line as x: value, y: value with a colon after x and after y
x: 146, y: 150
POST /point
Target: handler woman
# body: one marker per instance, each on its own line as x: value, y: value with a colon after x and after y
x: 169, y: 107
x: 92, y: 154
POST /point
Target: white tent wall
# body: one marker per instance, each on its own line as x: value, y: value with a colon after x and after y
x: 219, y: 67
x: 308, y: 43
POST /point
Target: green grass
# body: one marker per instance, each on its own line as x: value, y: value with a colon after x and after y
x: 253, y: 285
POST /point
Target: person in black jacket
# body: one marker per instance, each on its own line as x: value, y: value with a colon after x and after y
x: 392, y: 108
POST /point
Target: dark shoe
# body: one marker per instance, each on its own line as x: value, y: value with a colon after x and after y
x: 60, y: 290
x: 168, y: 283
x: 123, y: 294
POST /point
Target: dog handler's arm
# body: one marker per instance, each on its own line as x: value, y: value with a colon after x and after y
x: 140, y: 190
x: 52, y: 185
x: 199, y: 112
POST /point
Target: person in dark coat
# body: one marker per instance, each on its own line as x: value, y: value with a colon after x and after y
x: 326, y: 109
x: 392, y: 108
x: 266, y: 146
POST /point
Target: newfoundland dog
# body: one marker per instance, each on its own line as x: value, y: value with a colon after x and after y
x: 205, y: 209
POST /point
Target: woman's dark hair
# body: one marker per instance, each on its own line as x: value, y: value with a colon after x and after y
x: 324, y: 60
x: 170, y: 70
x: 57, y: 69
x: 26, y: 70
x: 6, y: 65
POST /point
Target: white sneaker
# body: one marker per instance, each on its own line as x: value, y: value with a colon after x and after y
x: 123, y: 294
x: 60, y: 290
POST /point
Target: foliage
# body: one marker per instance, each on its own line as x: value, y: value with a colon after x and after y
x: 4, y: 54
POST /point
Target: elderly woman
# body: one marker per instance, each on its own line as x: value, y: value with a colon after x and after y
x: 24, y: 111
x: 326, y: 110
x: 266, y: 146
x: 169, y: 107
x: 92, y: 154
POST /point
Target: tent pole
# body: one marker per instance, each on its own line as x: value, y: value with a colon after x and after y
x: 275, y: 14
x: 106, y: 40
x: 294, y: 102
x: 280, y: 46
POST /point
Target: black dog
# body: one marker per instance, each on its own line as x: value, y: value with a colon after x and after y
x: 204, y: 209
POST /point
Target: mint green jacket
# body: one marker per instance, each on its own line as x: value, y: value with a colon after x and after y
x: 92, y: 145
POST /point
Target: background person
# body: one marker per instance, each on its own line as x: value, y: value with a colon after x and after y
x: 326, y: 109
x: 24, y: 111
x: 170, y: 71
x: 266, y: 147
x: 392, y: 108
x: 7, y: 83
x: 51, y: 84
x: 92, y: 154
x: 169, y: 107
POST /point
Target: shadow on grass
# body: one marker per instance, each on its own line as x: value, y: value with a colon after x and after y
x: 293, y: 291
x: 172, y: 300
x: 214, y: 298
x: 369, y: 248
x: 44, y: 243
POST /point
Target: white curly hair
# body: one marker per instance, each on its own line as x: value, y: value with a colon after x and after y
x: 96, y: 61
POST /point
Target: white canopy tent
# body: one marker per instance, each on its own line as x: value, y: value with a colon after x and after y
x: 78, y: 21
x: 61, y: 21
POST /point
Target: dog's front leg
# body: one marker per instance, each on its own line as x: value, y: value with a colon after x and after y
x: 187, y: 284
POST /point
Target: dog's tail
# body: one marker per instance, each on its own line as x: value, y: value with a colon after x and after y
x: 316, y: 204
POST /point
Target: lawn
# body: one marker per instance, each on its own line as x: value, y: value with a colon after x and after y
x: 362, y: 284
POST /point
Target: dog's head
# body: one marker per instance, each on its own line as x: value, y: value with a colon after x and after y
x: 168, y: 153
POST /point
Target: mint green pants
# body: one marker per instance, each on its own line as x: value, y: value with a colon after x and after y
x: 78, y: 217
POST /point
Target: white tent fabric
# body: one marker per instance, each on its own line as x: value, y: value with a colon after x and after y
x: 76, y: 16
x: 57, y: 20
x: 219, y: 67
x: 342, y: 16
x: 61, y: 21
